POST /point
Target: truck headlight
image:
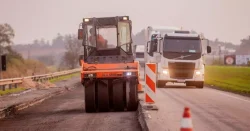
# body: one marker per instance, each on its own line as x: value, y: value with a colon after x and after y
x: 197, y: 72
x: 165, y: 72
x: 91, y: 75
x: 86, y: 20
x: 128, y: 73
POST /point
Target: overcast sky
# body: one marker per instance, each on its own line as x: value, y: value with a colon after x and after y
x: 228, y: 20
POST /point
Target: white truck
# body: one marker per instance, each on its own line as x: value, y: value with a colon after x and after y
x: 179, y: 55
x: 139, y: 54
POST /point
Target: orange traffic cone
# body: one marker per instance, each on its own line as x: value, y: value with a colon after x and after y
x: 186, y: 122
x: 140, y: 90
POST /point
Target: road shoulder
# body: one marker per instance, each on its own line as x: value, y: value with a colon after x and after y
x: 10, y: 104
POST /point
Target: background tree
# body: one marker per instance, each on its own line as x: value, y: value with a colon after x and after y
x: 6, y: 34
x: 48, y: 60
x: 244, y: 47
x: 58, y: 41
x: 73, y: 50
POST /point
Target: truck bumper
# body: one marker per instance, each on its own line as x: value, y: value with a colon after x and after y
x: 166, y: 78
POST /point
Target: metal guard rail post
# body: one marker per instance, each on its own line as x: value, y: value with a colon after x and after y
x: 16, y: 81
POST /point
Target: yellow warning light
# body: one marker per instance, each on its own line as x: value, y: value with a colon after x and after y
x: 86, y: 20
x: 125, y: 18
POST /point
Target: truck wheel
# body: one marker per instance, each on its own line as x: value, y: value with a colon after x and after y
x: 199, y: 84
x: 189, y: 84
x: 160, y: 84
x: 118, y: 102
x: 90, y: 104
x: 103, y: 95
x: 132, y: 95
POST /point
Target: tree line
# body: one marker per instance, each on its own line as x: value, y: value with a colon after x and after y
x: 69, y: 43
x: 71, y: 47
x: 68, y: 47
x: 17, y: 66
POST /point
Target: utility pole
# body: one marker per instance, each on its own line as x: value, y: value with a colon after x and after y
x: 1, y: 87
x: 29, y: 47
x: 219, y: 53
x: 0, y: 62
x: 213, y: 57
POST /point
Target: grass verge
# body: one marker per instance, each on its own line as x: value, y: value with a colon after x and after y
x: 10, y: 91
x: 64, y: 77
x: 229, y: 78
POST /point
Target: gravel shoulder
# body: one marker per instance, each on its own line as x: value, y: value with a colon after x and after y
x: 34, y: 93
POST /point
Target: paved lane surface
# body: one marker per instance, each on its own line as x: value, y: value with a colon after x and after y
x: 211, y: 110
x: 66, y: 112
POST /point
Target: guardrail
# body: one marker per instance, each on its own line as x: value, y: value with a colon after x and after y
x: 15, y: 81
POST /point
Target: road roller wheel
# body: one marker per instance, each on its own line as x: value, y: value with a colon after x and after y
x: 118, y: 101
x: 103, y: 95
x: 90, y: 105
x: 132, y: 95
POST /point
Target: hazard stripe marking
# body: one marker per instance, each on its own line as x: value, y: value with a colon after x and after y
x: 148, y: 99
x: 150, y: 93
x: 150, y: 74
x: 150, y: 83
x: 152, y: 67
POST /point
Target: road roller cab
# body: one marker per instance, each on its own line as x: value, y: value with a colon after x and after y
x: 109, y: 73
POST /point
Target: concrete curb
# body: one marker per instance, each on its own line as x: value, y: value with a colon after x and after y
x: 142, y: 117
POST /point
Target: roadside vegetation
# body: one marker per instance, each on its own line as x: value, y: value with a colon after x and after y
x: 32, y: 59
x: 17, y: 66
x: 229, y: 78
x: 13, y: 90
x: 61, y: 78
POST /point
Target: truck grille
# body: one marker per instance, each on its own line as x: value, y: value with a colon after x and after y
x: 181, y: 70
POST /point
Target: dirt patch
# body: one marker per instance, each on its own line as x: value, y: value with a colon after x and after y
x: 45, y: 84
x: 28, y: 83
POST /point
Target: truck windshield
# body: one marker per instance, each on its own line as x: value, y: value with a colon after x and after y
x: 103, y: 37
x: 182, y: 45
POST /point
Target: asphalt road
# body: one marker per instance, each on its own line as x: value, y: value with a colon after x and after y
x: 66, y: 112
x: 211, y: 110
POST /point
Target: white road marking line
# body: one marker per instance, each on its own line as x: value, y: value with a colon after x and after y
x: 231, y: 96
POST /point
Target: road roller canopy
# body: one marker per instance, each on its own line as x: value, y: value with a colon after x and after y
x: 106, y: 36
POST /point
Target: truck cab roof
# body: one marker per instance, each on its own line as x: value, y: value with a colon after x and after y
x: 182, y: 34
x: 162, y: 28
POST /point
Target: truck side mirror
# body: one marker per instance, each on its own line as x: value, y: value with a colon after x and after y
x: 148, y: 46
x: 209, y: 50
x: 80, y: 34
